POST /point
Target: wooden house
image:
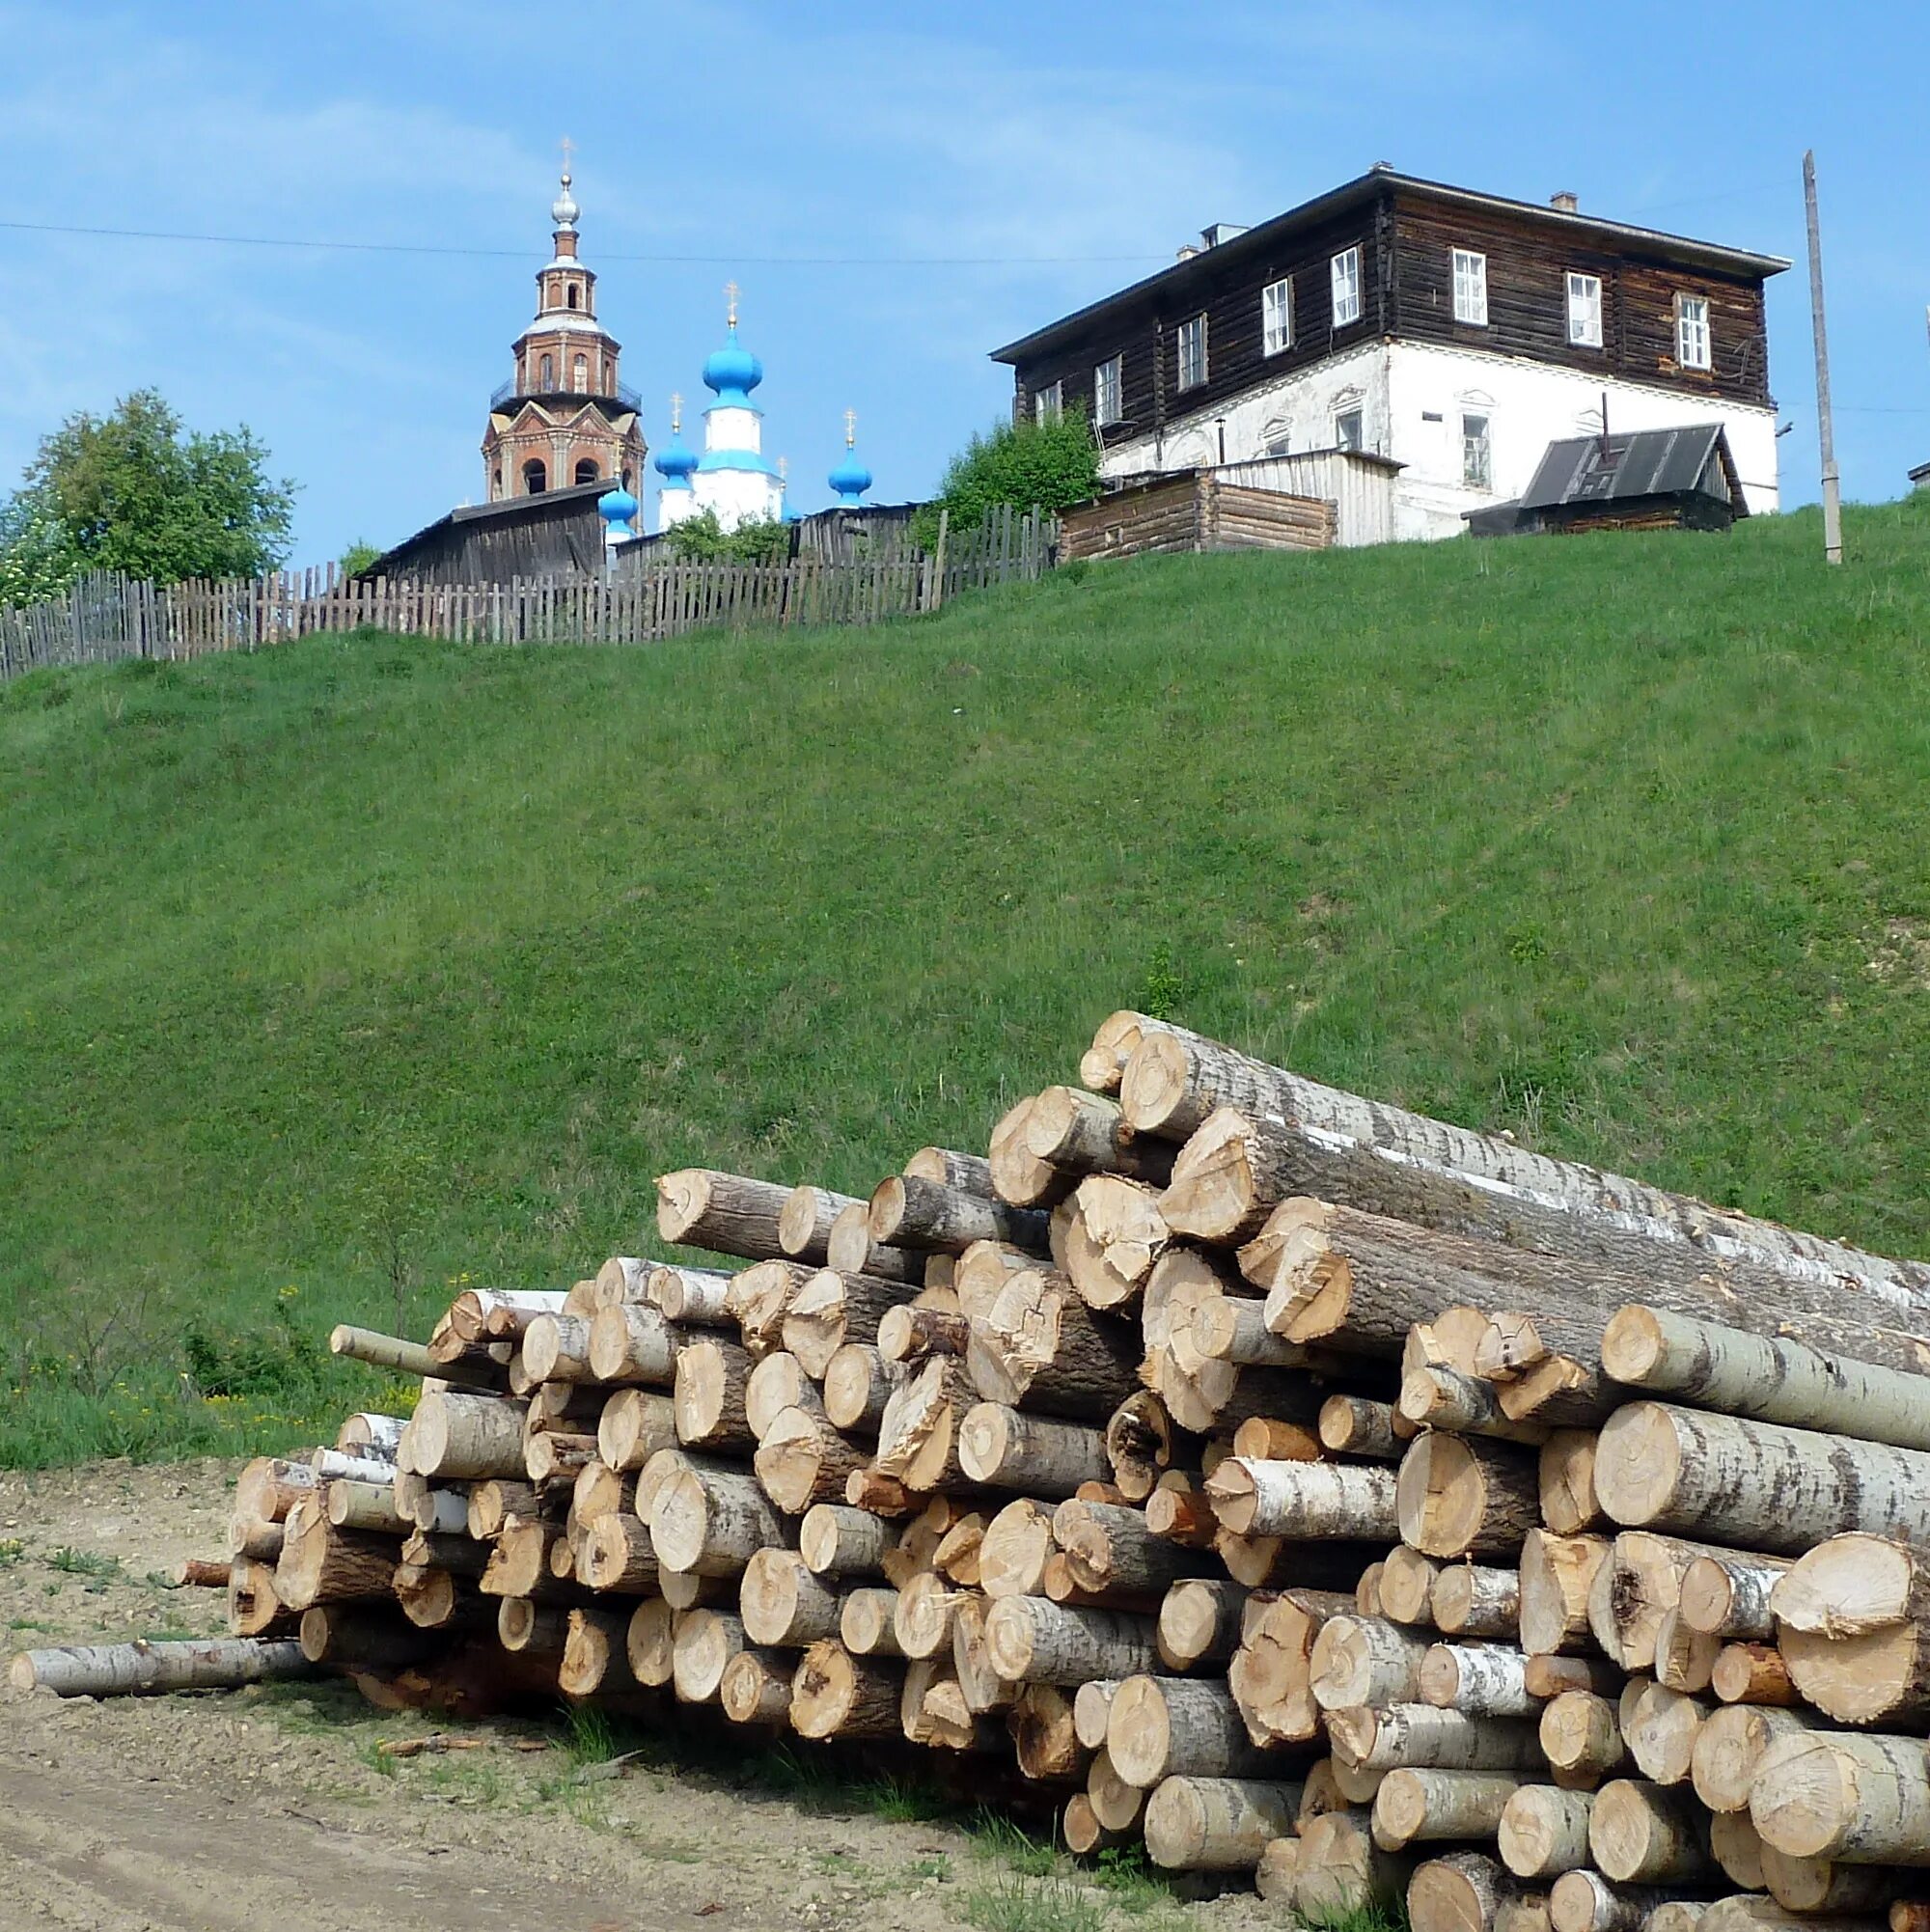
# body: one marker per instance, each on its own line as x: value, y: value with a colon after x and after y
x: 1647, y: 479
x: 1453, y: 334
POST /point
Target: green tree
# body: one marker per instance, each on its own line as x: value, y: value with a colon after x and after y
x: 357, y: 558
x: 133, y: 491
x: 1049, y: 465
x: 703, y: 539
x: 38, y: 559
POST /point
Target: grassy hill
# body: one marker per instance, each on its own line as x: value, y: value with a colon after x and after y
x: 336, y: 975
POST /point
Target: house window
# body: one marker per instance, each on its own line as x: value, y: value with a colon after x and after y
x: 548, y: 375
x: 1048, y: 404
x: 1348, y: 430
x: 1108, y: 379
x: 536, y: 479
x: 1692, y: 331
x: 1585, y: 311
x: 1192, y: 353
x: 1277, y: 436
x: 573, y: 294
x: 1277, y: 316
x: 586, y: 469
x: 1346, y: 287
x: 1477, y: 453
x: 1470, y: 287
x: 581, y: 387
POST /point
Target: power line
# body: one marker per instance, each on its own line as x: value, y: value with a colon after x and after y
x: 603, y: 255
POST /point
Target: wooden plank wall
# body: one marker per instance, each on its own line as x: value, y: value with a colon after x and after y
x: 1194, y: 511
x: 108, y: 617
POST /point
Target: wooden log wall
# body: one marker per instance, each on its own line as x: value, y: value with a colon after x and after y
x: 1299, y: 1541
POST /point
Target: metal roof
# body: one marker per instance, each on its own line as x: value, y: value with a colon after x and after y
x: 1177, y: 276
x: 1640, y: 462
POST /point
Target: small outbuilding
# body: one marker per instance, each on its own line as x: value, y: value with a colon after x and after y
x: 1919, y: 476
x: 1641, y: 479
x: 556, y: 533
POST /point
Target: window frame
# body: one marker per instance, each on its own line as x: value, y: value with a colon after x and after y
x: 1048, y: 404
x: 1469, y: 269
x: 1282, y: 287
x: 1704, y: 327
x: 1193, y: 326
x: 1571, y: 277
x: 1113, y: 366
x: 1344, y: 274
x: 1356, y: 412
x: 1485, y: 481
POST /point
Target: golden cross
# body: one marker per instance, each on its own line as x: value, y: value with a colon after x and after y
x: 850, y: 429
x: 568, y: 149
x: 730, y: 293
x: 675, y: 412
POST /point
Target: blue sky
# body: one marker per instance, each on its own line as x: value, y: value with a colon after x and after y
x: 956, y: 175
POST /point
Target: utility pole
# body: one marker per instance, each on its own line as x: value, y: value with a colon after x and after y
x: 1826, y: 426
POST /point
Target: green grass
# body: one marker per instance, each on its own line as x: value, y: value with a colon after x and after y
x: 336, y: 975
x: 1011, y: 1902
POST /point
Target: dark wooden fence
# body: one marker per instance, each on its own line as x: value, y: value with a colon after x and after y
x: 104, y: 617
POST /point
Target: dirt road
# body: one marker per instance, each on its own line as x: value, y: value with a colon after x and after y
x: 271, y: 1809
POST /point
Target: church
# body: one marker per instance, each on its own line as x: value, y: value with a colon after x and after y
x: 565, y: 420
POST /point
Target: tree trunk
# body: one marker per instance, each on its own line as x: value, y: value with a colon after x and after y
x: 1230, y: 1174
x: 1084, y: 1835
x: 851, y: 1250
x: 1852, y: 1622
x: 836, y: 1540
x: 1753, y: 1674
x: 1005, y: 1449
x: 1484, y: 1680
x: 1045, y: 1738
x: 1419, y: 1806
x: 467, y: 1437
x: 1160, y: 1727
x: 775, y: 1384
x: 1406, y: 1586
x: 1216, y: 1824
x: 712, y: 1380
x: 320, y: 1563
x: 1365, y: 1660
x: 370, y: 1436
x: 634, y: 1426
x: 803, y: 1460
x: 1083, y: 1133
x: 865, y: 1623
x: 1685, y: 1659
x: 754, y: 1688
x: 1140, y: 1444
x: 913, y: 1332
x: 1768, y: 1380
x: 1114, y: 1233
x: 121, y: 1670
x: 1303, y: 1500
x: 519, y: 1563
x: 909, y: 1212
x: 805, y: 1222
x: 369, y: 1506
x: 616, y: 1555
x: 1019, y: 1178
x: 923, y: 1615
x: 712, y: 1522
x: 408, y: 1358
x: 1581, y: 1735
x: 1585, y: 1901
x: 1557, y: 1575
x: 1471, y: 1601
x: 1543, y: 1830
x: 1755, y: 1483
x: 630, y: 1344
x: 728, y: 1214
x: 1643, y: 1835
x: 1110, y: 1547
x: 1091, y: 1710
x: 1566, y: 1479
x: 555, y: 1455
x: 1352, y: 1424
x: 1200, y: 1622
x: 702, y: 1647
x: 858, y: 1385
x: 1660, y: 1729
x: 1463, y: 1498
x: 835, y: 1694
x: 1041, y: 1347
x: 690, y: 1297
x: 594, y: 1657
x: 1465, y: 1892
x: 1029, y: 1640
x: 1726, y: 1595
x: 1825, y: 1890
x: 556, y: 1347
x: 1418, y: 1734
x: 832, y: 1309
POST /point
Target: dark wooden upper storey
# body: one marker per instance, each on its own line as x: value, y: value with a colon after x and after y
x: 1407, y: 231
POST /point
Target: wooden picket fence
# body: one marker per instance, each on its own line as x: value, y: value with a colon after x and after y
x: 107, y: 617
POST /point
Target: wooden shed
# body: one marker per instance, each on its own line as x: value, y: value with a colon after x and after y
x: 1193, y: 509
x: 555, y: 534
x: 1641, y: 479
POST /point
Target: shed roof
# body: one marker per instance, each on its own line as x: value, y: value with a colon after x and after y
x: 1625, y: 236
x: 540, y: 507
x: 1634, y: 463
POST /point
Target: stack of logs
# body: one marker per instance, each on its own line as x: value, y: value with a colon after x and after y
x: 1305, y: 1488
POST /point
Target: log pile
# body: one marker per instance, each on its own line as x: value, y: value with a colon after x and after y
x: 1311, y: 1490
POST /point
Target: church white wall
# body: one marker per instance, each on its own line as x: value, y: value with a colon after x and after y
x: 738, y: 496
x: 729, y: 427
x: 1398, y: 385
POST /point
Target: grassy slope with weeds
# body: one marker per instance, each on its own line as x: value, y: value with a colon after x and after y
x: 336, y: 975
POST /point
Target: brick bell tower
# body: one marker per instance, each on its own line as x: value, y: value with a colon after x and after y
x: 563, y: 418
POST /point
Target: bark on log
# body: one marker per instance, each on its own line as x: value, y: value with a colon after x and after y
x: 1643, y: 1833
x: 369, y: 1506
x: 1581, y: 1735
x: 1029, y: 1640
x: 1161, y: 1727
x: 362, y: 1637
x: 1418, y: 1734
x: 1726, y: 1595
x: 1486, y: 1681
x: 1838, y: 1795
x: 1543, y: 1830
x: 712, y: 1522
x: 630, y: 1344
x: 755, y: 1687
x: 1852, y: 1619
x: 616, y: 1555
x: 836, y: 1540
x: 556, y: 1347
x: 1303, y: 1500
x: 1355, y: 1425
x: 1365, y: 1660
x: 727, y: 1213
x: 805, y: 1220
x: 832, y: 1309
x: 1216, y: 1824
x: 1114, y: 1233
x: 1585, y: 1901
x: 857, y: 1384
x: 1768, y: 1380
x: 556, y: 1455
x: 1110, y: 1547
x: 1414, y: 1806
x: 913, y: 1332
x: 465, y: 1437
x: 1083, y: 1133
x: 1755, y: 1483
x: 909, y: 1212
x: 691, y: 1297
x: 1041, y: 1347
x: 320, y: 1563
x: 1465, y: 1892
x: 1229, y: 1176
x: 1342, y: 1870
x: 525, y: 1627
x: 835, y: 1694
x: 1006, y: 1450
x: 1200, y: 1622
x: 121, y: 1669
x: 851, y: 1250
x: 803, y: 1460
x: 1461, y: 1498
x: 1470, y: 1600
x: 1824, y: 1888
x: 408, y: 1358
x: 634, y: 1426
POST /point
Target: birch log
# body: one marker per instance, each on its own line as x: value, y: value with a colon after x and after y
x: 1852, y: 1619
x: 1413, y: 1807
x: 1855, y: 1799
x: 691, y: 1297
x: 1543, y: 1830
x: 805, y: 1220
x: 1730, y: 1747
x: 832, y: 1309
x: 1457, y: 1497
x: 1465, y: 1892
x: 1160, y: 1727
x: 1366, y: 1739
x: 1032, y: 1641
x: 121, y: 1669
x: 1006, y: 1450
x: 1304, y: 1500
x: 1725, y: 1595
x: 1471, y: 1600
x: 1082, y: 1133
x: 1580, y: 1734
x: 1642, y: 1834
x: 712, y: 1522
x: 1216, y: 1824
x: 1365, y: 1660
x: 851, y: 1250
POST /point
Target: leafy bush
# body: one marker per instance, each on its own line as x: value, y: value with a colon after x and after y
x: 276, y: 1363
x: 1029, y: 466
x: 703, y: 539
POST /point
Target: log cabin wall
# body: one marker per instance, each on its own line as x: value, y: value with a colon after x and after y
x: 1191, y: 512
x: 1528, y: 266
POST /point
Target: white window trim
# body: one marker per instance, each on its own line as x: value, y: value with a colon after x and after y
x: 1589, y: 315
x: 1048, y: 404
x: 1359, y: 412
x: 1345, y: 272
x: 1487, y: 422
x: 1469, y: 269
x: 1706, y: 359
x: 1268, y: 346
x: 1117, y: 365
x: 1180, y: 379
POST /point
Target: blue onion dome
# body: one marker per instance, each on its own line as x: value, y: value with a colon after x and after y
x: 850, y: 479
x: 674, y: 462
x: 732, y: 372
x: 616, y: 505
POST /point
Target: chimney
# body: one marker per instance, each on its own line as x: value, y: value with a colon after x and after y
x: 1187, y: 251
x: 1565, y: 203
